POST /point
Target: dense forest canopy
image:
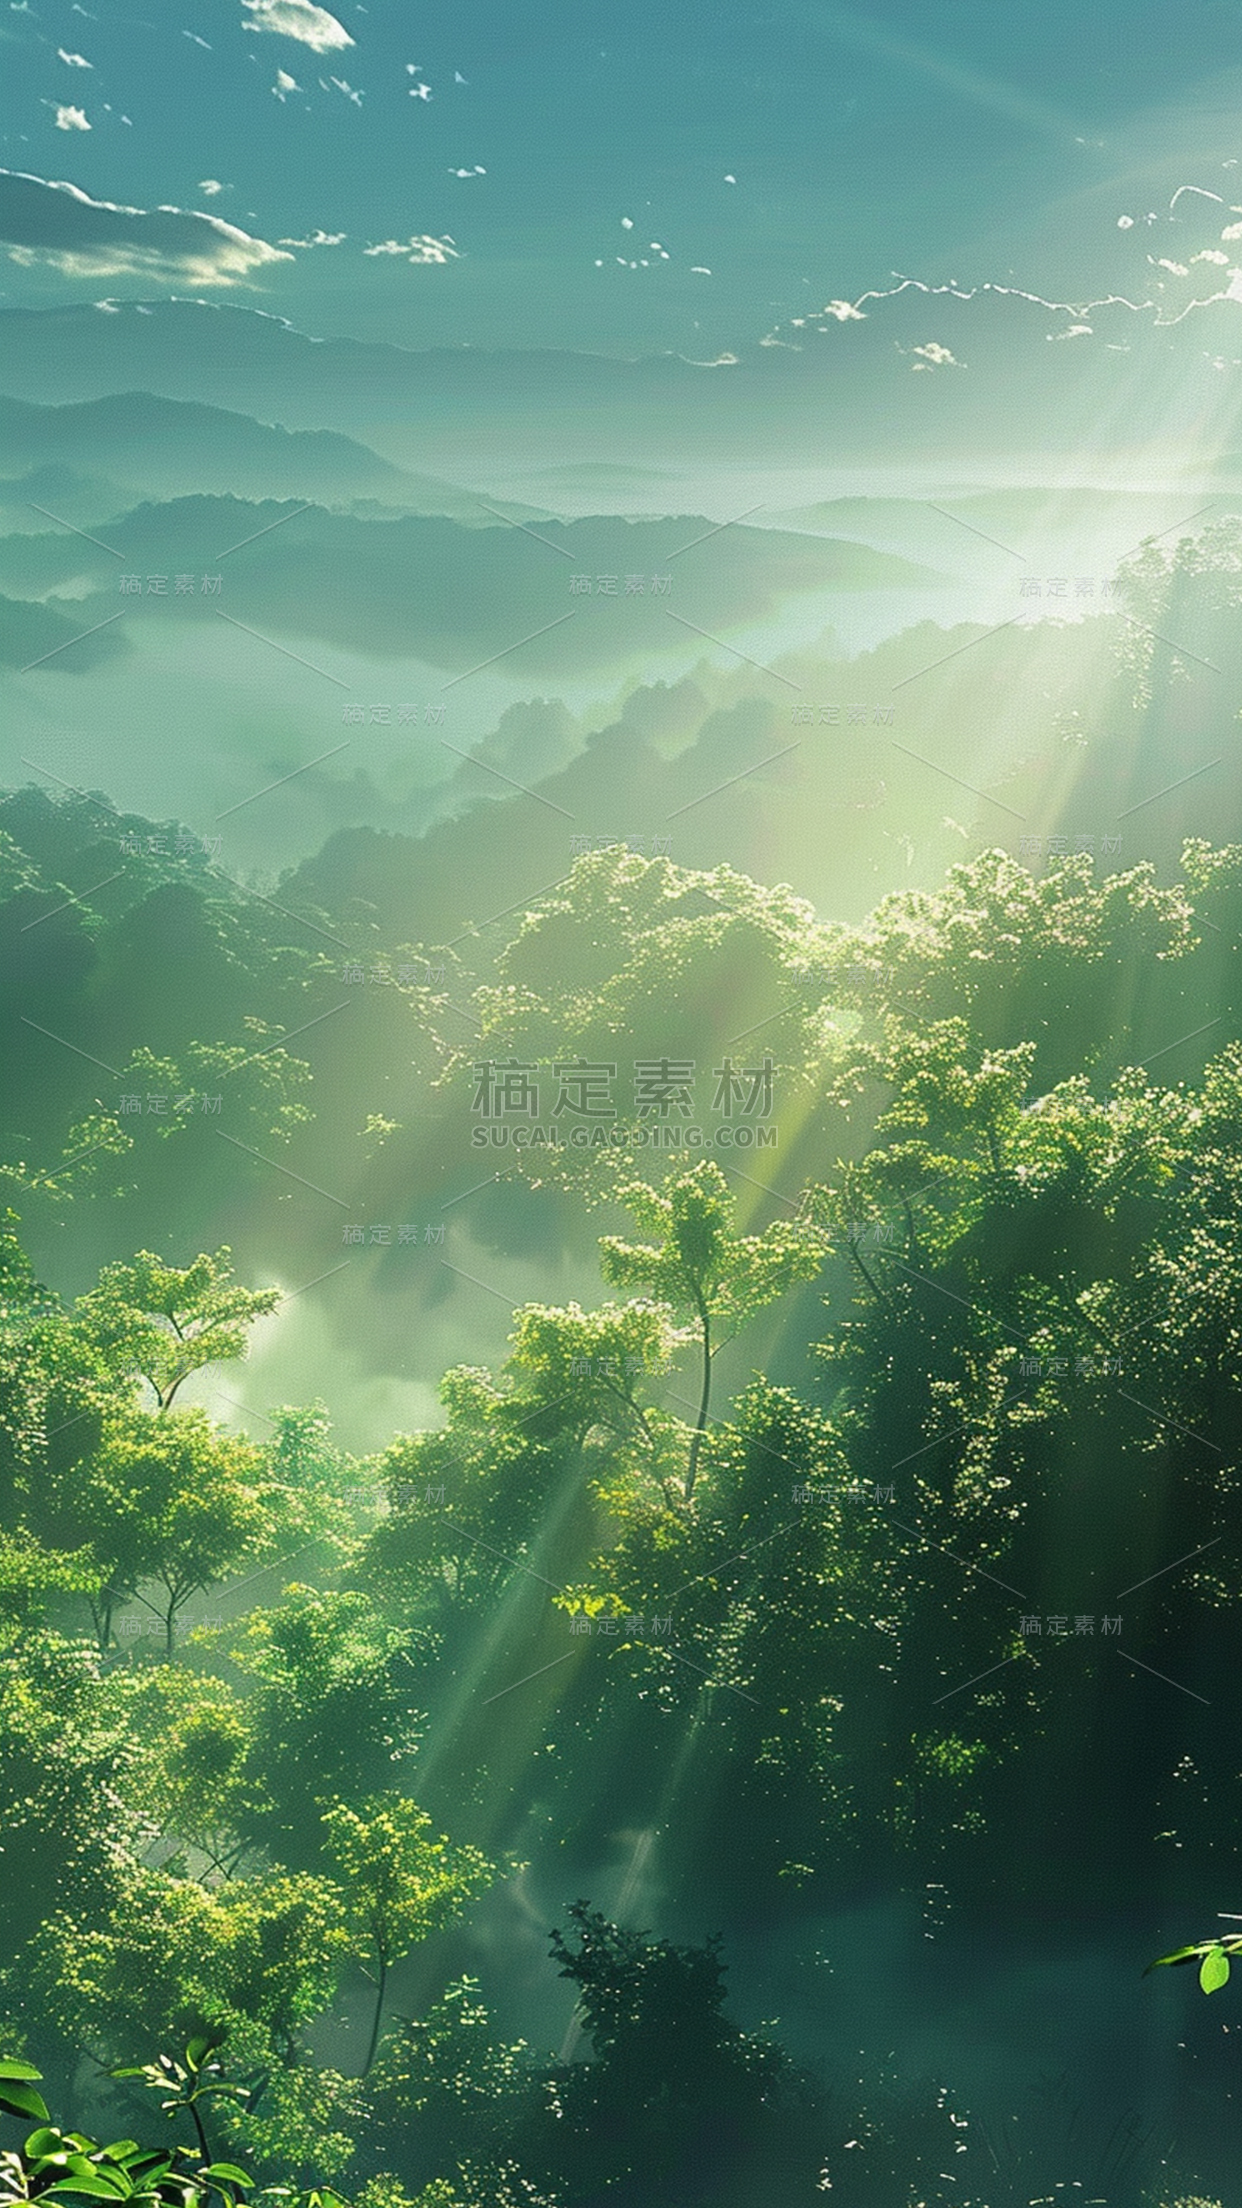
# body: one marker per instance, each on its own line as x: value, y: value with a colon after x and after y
x: 592, y: 1462
x: 977, y: 1390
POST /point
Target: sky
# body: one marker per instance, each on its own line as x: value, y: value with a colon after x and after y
x: 620, y: 179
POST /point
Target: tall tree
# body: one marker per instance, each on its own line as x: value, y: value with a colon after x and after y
x: 703, y: 1269
x: 400, y: 1884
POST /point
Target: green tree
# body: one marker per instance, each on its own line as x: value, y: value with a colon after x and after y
x: 53, y: 2164
x: 330, y: 1717
x: 172, y: 1958
x: 678, y: 2105
x: 703, y: 1269
x: 170, y: 1501
x: 447, y: 2095
x: 578, y: 1369
x: 464, y: 1497
x: 400, y: 1884
x: 162, y: 1322
x: 639, y: 952
x: 188, y: 1779
x: 72, y: 1833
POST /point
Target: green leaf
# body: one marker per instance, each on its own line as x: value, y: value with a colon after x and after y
x: 46, y: 2140
x: 229, y: 2170
x: 1215, y: 1968
x: 22, y: 2100
x: 1180, y: 1955
x: 147, y: 2166
x: 88, y: 2184
x: 101, y: 2184
x: 11, y: 2069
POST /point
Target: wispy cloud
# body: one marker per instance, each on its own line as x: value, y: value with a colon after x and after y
x: 421, y: 251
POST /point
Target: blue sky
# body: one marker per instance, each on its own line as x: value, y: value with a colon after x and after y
x: 478, y: 167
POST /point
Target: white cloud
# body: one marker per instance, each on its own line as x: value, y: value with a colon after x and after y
x: 932, y: 355
x: 71, y: 118
x: 55, y: 225
x: 211, y: 185
x: 197, y: 40
x: 842, y: 311
x: 299, y: 19
x: 1209, y: 253
x: 1234, y: 231
x: 347, y: 89
x: 1125, y: 222
x: 317, y: 237
x: 284, y: 84
x: 423, y: 252
x: 74, y: 61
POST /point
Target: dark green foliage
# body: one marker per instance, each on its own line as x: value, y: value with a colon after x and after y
x: 332, y: 1714
x: 765, y: 1633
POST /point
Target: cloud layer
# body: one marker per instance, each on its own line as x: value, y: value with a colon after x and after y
x: 57, y: 226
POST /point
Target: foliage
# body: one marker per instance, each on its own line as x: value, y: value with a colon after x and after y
x: 1213, y: 1958
x: 330, y: 1717
x: 399, y: 1883
x: 69, y: 2165
x: 174, y: 1958
x: 162, y: 1322
x: 702, y: 1269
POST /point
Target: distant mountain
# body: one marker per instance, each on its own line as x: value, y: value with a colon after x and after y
x: 26, y: 500
x: 163, y: 448
x: 603, y: 474
x: 918, y: 379
x: 29, y: 633
x: 426, y: 586
x: 1045, y: 531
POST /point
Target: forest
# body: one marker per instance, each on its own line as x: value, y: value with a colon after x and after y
x: 569, y: 1796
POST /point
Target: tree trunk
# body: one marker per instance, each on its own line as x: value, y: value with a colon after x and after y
x: 696, y: 1439
x: 380, y: 1984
